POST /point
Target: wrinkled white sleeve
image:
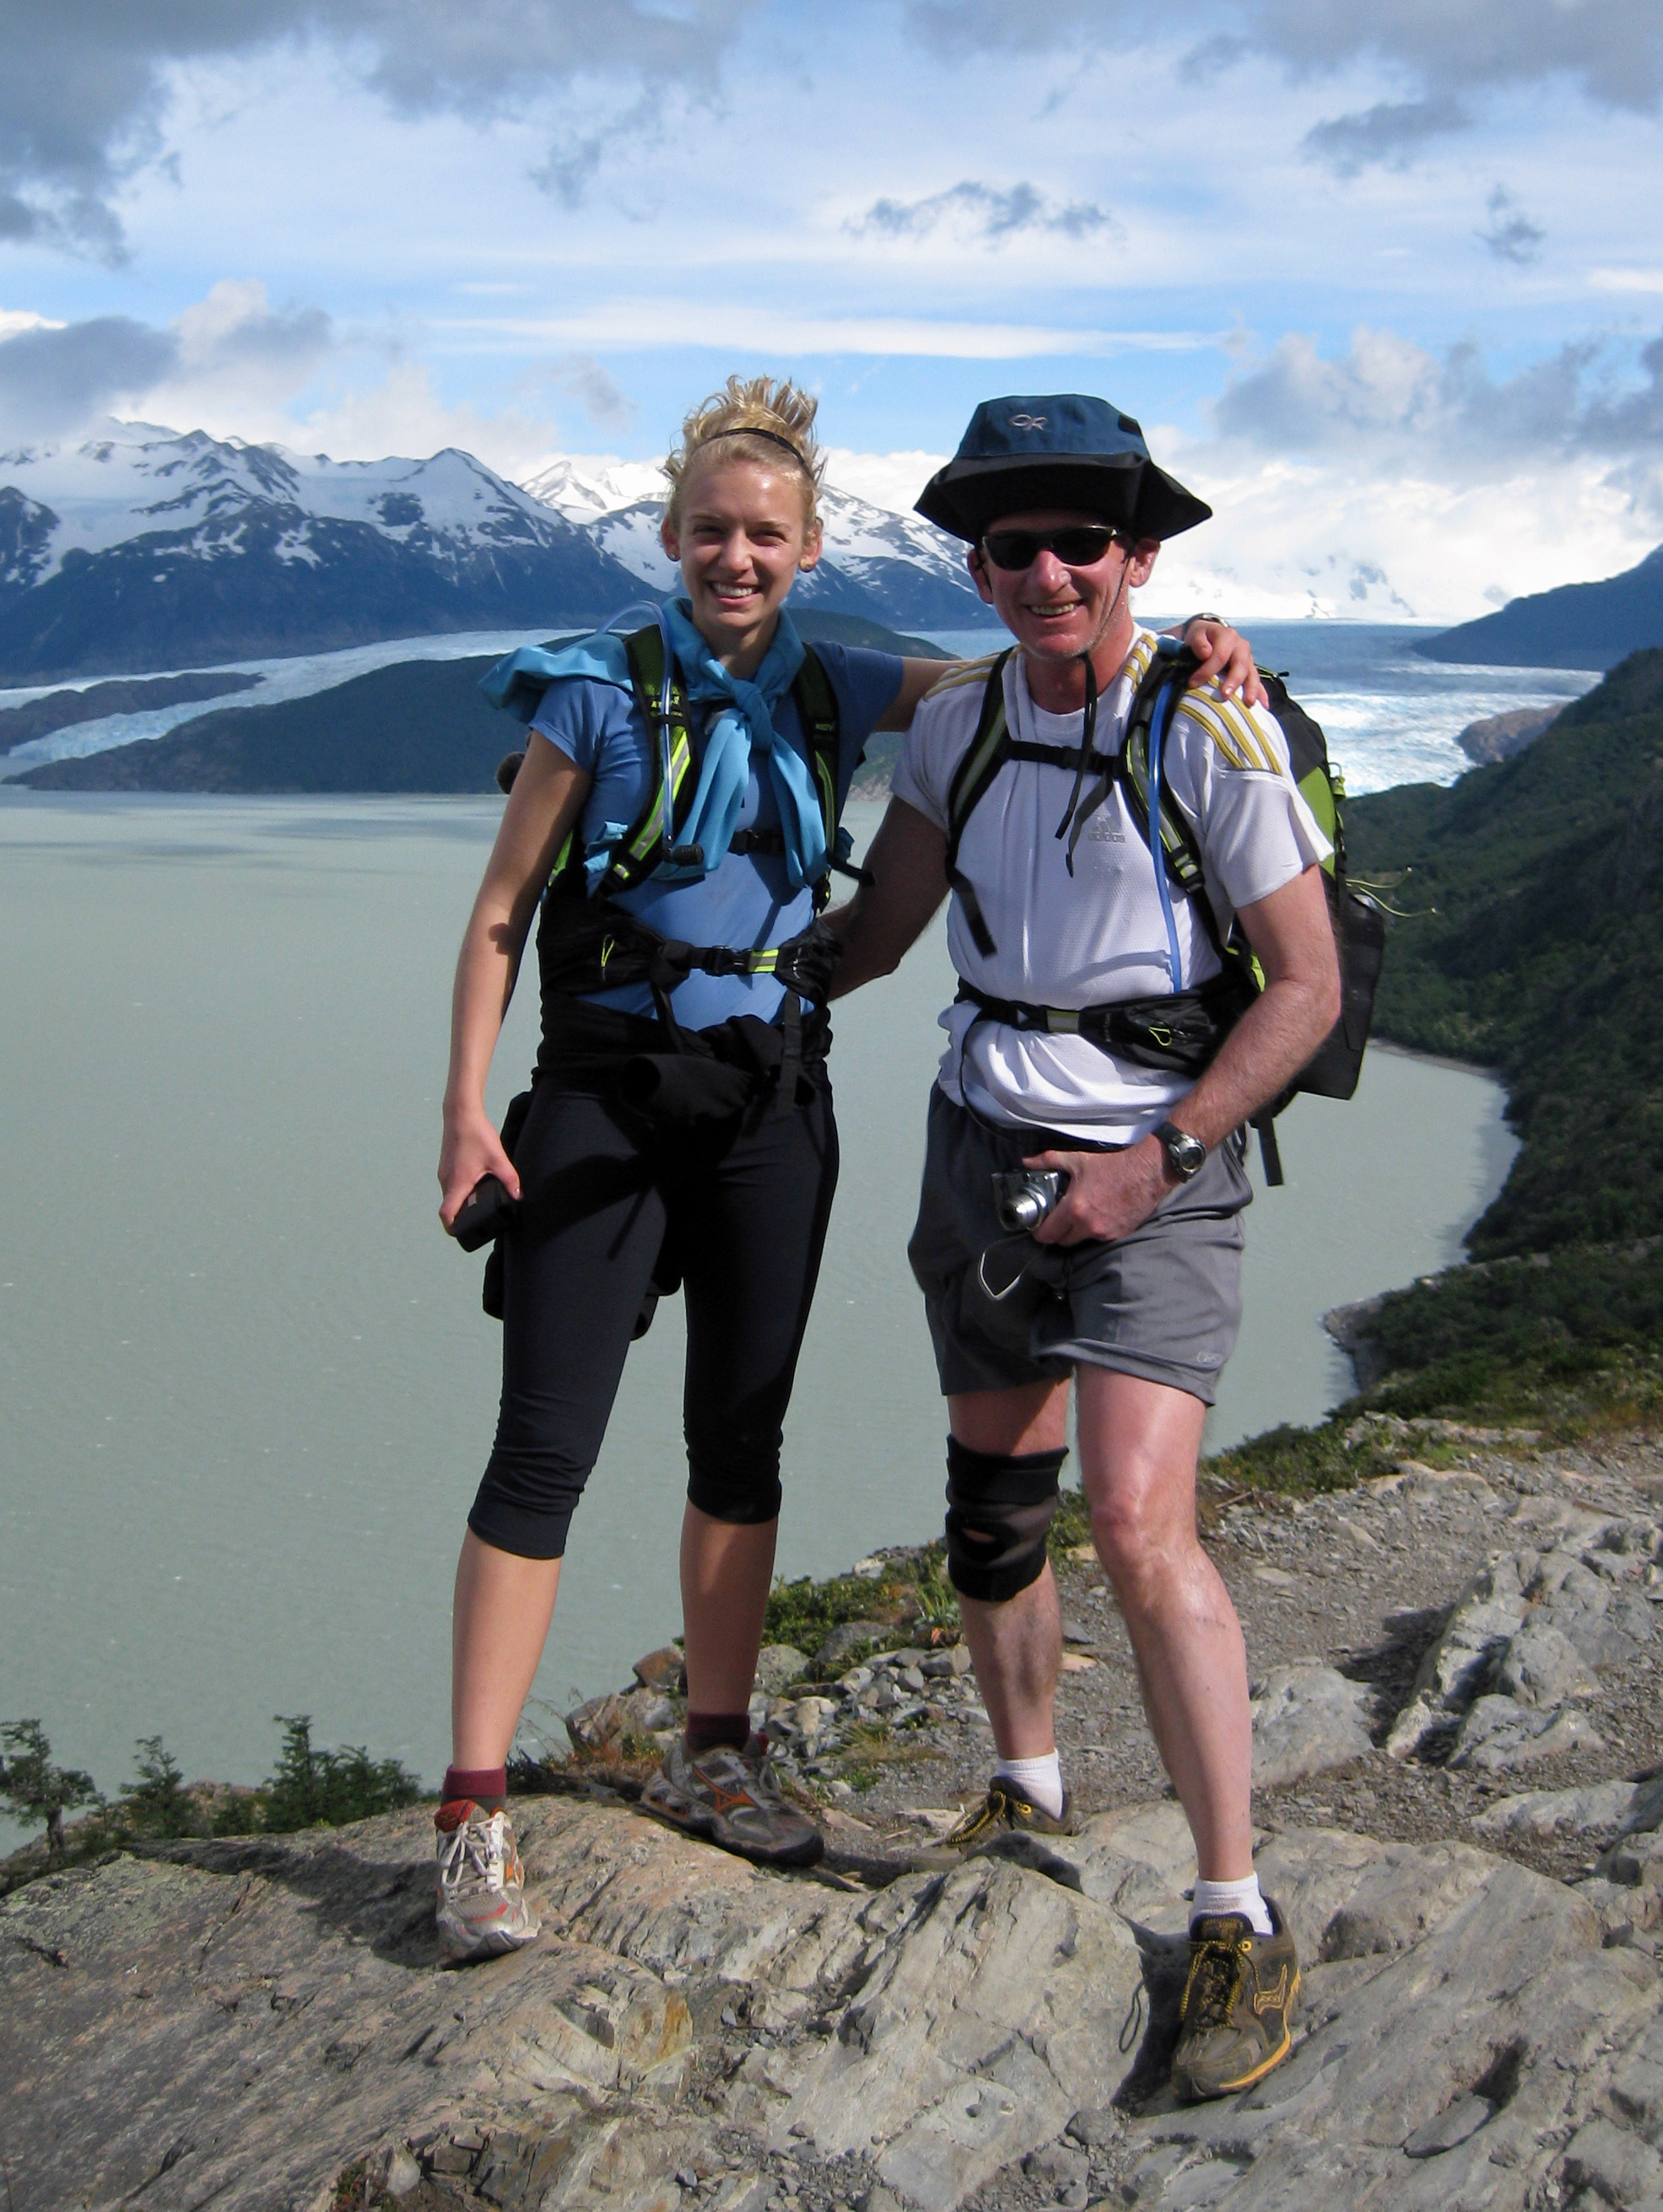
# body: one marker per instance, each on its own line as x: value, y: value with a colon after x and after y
x: 1255, y: 830
x: 923, y: 772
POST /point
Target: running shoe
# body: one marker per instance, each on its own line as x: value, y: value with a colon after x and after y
x: 730, y: 1798
x: 1006, y: 1810
x: 482, y: 1910
x: 1237, y: 2020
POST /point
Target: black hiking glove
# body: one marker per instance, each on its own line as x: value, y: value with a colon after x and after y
x: 805, y: 964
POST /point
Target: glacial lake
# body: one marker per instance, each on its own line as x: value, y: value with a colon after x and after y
x: 248, y: 1386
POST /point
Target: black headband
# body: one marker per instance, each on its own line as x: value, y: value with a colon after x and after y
x: 773, y: 438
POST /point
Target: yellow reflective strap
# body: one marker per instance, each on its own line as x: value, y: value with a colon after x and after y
x: 764, y: 963
x: 1063, y: 1021
x: 828, y: 798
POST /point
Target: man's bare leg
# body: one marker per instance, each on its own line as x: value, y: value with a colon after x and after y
x: 1138, y: 1447
x: 1017, y: 1645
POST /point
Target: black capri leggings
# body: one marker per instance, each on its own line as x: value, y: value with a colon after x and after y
x: 744, y: 1209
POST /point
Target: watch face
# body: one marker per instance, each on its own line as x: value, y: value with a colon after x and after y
x: 1186, y: 1153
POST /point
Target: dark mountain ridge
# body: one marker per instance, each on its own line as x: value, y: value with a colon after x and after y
x: 1577, y: 626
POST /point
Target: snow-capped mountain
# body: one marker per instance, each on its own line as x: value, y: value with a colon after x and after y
x: 140, y: 548
x: 893, y: 569
x: 581, y: 490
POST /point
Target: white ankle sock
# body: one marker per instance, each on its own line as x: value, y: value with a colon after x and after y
x: 1212, y: 1897
x: 1039, y: 1780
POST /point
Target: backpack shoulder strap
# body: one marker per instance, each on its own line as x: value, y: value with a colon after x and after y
x: 1168, y: 673
x: 669, y: 738
x: 817, y: 710
x: 984, y: 757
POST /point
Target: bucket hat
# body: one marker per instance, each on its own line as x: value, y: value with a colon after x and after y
x: 1059, y: 450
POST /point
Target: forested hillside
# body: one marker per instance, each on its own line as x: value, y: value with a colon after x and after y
x: 1530, y: 939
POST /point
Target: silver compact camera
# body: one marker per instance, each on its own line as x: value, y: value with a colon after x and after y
x: 1022, y: 1197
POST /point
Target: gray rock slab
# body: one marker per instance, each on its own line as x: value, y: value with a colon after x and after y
x: 245, y: 2018
x: 1462, y: 1664
x: 1542, y: 1666
x: 1307, y: 1718
x: 971, y: 2042
x: 780, y: 1665
x: 1647, y: 1810
x: 1451, y: 2128
x: 1620, y: 2168
x: 1499, y: 1735
x: 1548, y: 1813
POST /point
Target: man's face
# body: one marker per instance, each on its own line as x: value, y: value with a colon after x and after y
x: 1056, y: 610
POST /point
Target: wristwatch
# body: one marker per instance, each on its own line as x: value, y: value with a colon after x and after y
x: 1185, y: 1154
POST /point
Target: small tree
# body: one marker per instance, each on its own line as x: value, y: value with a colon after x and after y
x: 156, y: 1804
x: 326, y: 1789
x: 34, y: 1789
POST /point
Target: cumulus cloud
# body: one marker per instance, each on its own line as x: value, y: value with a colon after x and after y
x: 1391, y: 132
x: 51, y: 380
x: 1613, y: 49
x: 1510, y: 235
x: 987, y: 213
x: 1446, y: 412
x: 225, y: 359
x: 83, y: 96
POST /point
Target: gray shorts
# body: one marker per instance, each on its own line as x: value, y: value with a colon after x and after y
x: 1164, y: 1302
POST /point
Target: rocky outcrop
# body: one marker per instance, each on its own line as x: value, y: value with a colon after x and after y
x: 262, y: 2022
x: 1500, y: 1688
x: 244, y: 2023
x: 1498, y: 736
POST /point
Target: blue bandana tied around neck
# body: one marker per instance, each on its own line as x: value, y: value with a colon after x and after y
x: 744, y: 718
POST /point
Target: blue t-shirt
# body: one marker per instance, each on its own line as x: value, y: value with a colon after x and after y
x: 748, y: 901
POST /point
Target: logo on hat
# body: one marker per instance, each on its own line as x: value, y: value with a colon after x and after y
x: 1027, y: 421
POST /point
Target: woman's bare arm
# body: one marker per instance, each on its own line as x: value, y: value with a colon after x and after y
x: 545, y: 804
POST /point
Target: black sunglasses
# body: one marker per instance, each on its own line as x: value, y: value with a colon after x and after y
x: 1080, y: 546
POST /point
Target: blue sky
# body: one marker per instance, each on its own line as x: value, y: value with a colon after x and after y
x: 1385, y: 284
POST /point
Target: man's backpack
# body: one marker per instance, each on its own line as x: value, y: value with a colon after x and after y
x: 1188, y: 1036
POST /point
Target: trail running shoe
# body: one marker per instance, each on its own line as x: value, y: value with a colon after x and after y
x: 1238, y: 2006
x: 482, y: 1909
x: 730, y: 1798
x: 1005, y: 1810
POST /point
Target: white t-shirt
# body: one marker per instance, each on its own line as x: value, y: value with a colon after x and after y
x: 1099, y: 934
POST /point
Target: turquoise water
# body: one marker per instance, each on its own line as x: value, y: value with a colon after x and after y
x: 248, y: 1387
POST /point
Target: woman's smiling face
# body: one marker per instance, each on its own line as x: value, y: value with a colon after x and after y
x: 741, y: 542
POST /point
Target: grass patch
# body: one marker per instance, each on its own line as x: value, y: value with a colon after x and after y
x: 910, y: 1597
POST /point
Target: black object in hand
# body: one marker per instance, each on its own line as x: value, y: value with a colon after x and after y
x: 483, y: 1213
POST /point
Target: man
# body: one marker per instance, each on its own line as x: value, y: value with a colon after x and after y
x: 1130, y: 1285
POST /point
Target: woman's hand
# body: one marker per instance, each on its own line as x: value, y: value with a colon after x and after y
x: 1226, y: 658
x: 470, y: 1149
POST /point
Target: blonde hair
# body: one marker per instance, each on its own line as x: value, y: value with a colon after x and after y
x: 756, y: 419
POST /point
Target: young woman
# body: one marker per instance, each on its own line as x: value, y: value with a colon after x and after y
x: 675, y: 815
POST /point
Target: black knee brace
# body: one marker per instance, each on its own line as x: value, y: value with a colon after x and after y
x: 999, y: 1508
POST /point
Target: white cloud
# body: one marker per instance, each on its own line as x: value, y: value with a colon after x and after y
x: 14, y: 320
x: 887, y: 480
x: 1626, y: 280
x: 737, y: 325
x: 1326, y: 538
